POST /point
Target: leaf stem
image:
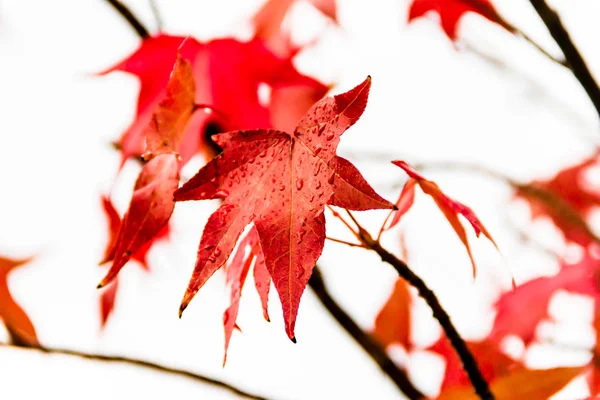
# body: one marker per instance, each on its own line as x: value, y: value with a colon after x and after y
x: 468, y: 360
x: 573, y: 58
x: 140, y: 363
x: 133, y: 21
x: 364, y: 340
x: 344, y: 242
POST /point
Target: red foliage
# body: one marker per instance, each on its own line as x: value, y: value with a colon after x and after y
x: 450, y: 208
x: 229, y: 73
x: 570, y: 198
x: 451, y: 11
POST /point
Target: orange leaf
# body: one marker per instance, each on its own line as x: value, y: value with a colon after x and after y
x: 17, y: 323
x: 521, y: 384
x: 393, y: 323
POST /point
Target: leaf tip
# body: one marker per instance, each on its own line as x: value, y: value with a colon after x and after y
x: 293, y: 339
x: 182, y: 308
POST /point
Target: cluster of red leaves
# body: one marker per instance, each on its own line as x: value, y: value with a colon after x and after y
x: 509, y: 378
x: 229, y: 74
x: 451, y: 11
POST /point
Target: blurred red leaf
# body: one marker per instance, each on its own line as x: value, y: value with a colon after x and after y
x: 514, y: 319
x: 19, y: 326
x: 293, y: 177
x: 269, y: 18
x: 451, y: 11
x: 520, y: 384
x: 567, y: 199
x: 393, y: 323
x: 450, y: 208
x: 492, y: 362
x: 228, y: 74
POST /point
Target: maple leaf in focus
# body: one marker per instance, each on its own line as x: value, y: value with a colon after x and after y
x: 393, y: 323
x: 269, y: 18
x: 513, y: 319
x: 281, y: 182
x: 228, y: 74
x: 152, y: 202
x: 451, y: 11
x: 491, y: 361
x: 17, y: 323
x: 567, y: 199
x: 108, y: 295
x: 450, y: 208
x: 520, y: 384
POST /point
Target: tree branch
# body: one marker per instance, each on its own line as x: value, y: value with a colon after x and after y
x: 133, y: 21
x: 574, y: 60
x: 140, y: 363
x: 468, y: 361
x: 370, y: 346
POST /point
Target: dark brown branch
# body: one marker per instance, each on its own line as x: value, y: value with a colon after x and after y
x: 133, y: 21
x: 140, y: 363
x: 468, y: 361
x: 574, y: 60
x: 372, y: 348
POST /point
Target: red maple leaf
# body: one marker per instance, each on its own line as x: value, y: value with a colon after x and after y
x: 451, y: 11
x: 152, y: 201
x: 567, y: 199
x: 228, y: 74
x: 449, y: 207
x: 491, y: 361
x: 17, y: 323
x: 393, y: 323
x: 269, y: 18
x: 513, y: 319
x: 281, y: 182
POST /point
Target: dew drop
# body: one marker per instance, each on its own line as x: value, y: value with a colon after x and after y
x: 299, y: 184
x: 317, y: 169
x: 217, y: 252
x: 321, y: 129
x: 212, y: 259
x: 209, y: 247
x: 329, y: 136
x: 318, y: 150
x: 318, y: 185
x: 331, y: 178
x: 222, y: 193
x: 282, y: 187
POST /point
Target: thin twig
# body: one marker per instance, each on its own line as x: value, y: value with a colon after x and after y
x: 133, y: 21
x: 140, y: 363
x: 468, y: 360
x: 573, y: 57
x: 157, y: 16
x: 344, y: 242
x: 368, y: 344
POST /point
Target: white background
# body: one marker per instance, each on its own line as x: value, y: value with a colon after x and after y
x: 511, y: 110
